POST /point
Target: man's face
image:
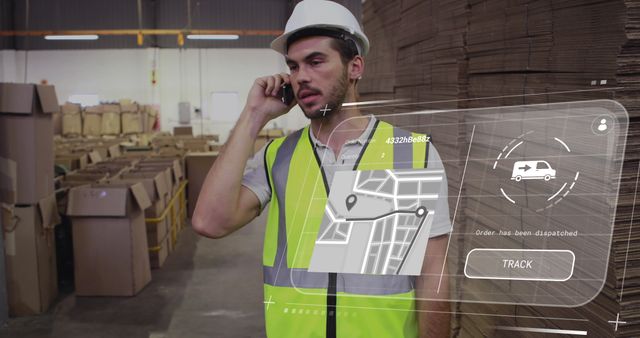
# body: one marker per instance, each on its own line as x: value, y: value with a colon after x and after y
x: 318, y: 77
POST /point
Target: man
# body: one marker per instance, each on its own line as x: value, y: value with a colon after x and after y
x: 324, y: 48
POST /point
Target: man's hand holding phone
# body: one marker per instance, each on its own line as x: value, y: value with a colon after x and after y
x: 267, y: 98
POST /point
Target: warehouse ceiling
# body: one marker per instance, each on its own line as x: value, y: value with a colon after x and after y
x: 64, y: 15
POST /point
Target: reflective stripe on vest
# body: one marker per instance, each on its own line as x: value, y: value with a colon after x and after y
x: 292, y: 163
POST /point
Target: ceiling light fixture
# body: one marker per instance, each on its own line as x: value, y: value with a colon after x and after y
x: 213, y: 37
x: 72, y: 37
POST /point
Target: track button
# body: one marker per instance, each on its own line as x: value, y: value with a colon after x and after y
x: 520, y: 264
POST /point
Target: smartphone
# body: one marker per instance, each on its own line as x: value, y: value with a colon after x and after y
x: 286, y: 94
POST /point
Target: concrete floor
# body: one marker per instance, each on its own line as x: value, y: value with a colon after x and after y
x: 207, y: 288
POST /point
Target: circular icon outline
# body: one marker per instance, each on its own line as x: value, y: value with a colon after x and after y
x: 508, y: 149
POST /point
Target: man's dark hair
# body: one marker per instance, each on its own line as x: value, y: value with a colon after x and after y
x: 347, y: 49
x: 343, y: 42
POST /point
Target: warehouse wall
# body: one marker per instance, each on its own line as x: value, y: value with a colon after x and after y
x: 127, y: 73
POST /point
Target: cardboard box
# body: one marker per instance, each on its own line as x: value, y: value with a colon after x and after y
x: 92, y: 122
x: 109, y: 239
x: 195, y: 145
x: 131, y: 122
x: 72, y: 161
x: 4, y: 297
x: 158, y: 254
x: 103, y: 150
x: 95, y: 157
x: 26, y: 137
x: 157, y: 232
x: 108, y: 168
x: 173, y: 174
x: 114, y: 151
x: 210, y: 137
x: 275, y: 132
x: 8, y: 181
x: 110, y: 119
x: 81, y: 178
x: 131, y: 117
x: 31, y: 257
x: 167, y: 171
x: 164, y: 141
x: 171, y: 151
x: 150, y: 117
x: 70, y: 108
x: 56, y: 120
x: 215, y: 146
x: 121, y: 161
x: 198, y: 166
x: 183, y: 130
x: 260, y: 142
x: 176, y: 167
x: 71, y: 119
x: 127, y: 106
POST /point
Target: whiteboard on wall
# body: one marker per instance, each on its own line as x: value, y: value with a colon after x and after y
x: 224, y: 107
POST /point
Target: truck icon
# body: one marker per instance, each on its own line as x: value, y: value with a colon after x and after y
x: 532, y: 170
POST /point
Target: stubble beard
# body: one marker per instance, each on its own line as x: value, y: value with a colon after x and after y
x: 337, y: 96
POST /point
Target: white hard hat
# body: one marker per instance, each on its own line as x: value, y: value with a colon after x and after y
x: 322, y: 14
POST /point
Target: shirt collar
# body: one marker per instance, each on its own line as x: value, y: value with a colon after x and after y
x: 362, y: 139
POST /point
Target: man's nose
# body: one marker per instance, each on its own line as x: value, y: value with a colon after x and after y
x: 302, y: 76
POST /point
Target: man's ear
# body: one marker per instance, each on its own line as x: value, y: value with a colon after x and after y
x: 356, y: 68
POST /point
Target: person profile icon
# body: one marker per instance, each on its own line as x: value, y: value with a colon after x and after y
x: 603, y: 125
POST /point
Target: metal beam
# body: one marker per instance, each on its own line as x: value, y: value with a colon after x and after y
x: 135, y: 32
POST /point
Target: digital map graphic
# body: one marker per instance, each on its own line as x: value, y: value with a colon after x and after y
x: 377, y: 222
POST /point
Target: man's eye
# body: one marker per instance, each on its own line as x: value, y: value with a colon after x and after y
x: 293, y: 68
x: 315, y: 62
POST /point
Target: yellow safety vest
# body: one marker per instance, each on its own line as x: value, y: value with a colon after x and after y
x: 299, y: 303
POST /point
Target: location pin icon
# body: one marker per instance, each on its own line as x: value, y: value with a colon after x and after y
x: 351, y: 201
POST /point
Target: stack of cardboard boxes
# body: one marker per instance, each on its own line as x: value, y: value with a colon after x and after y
x: 122, y: 196
x: 133, y: 206
x: 126, y: 118
x: 27, y: 190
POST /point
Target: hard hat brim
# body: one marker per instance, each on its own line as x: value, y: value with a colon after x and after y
x: 279, y: 44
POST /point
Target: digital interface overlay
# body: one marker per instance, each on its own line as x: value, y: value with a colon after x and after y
x: 532, y: 198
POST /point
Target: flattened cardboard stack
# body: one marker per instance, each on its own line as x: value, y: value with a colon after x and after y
x: 625, y: 257
x: 542, y: 47
x: 381, y: 20
x: 29, y: 216
x: 420, y: 48
x: 503, y: 49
